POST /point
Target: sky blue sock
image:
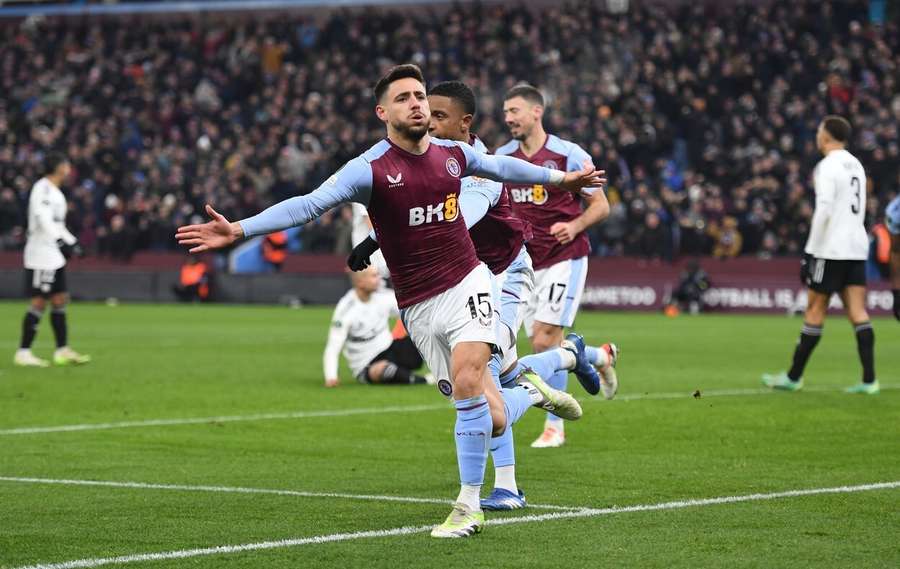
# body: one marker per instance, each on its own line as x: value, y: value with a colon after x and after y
x: 503, y: 451
x: 473, y: 438
x: 508, y: 379
x: 592, y: 353
x: 545, y: 364
x: 517, y: 401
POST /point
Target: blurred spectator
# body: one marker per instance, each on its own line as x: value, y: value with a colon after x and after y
x: 274, y: 249
x: 688, y: 295
x: 194, y: 281
x: 727, y: 239
x: 697, y: 111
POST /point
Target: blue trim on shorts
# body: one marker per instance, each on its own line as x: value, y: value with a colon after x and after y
x: 578, y: 266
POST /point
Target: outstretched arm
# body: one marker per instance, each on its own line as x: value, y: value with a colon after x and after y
x: 352, y: 183
x: 513, y: 170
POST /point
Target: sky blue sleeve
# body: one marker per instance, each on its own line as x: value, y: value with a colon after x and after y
x: 893, y: 216
x: 478, y: 195
x: 502, y: 168
x: 576, y: 158
x: 352, y: 183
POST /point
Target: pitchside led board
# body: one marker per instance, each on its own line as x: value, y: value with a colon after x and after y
x: 738, y: 285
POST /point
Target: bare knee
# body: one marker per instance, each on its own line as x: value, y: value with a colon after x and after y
x: 375, y: 370
x: 816, y: 308
x: 469, y: 366
x: 38, y: 303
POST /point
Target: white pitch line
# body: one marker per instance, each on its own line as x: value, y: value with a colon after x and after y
x: 244, y: 490
x: 375, y: 411
x: 225, y: 419
x: 409, y: 530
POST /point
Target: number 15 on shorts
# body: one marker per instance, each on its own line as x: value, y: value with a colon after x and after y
x: 480, y: 308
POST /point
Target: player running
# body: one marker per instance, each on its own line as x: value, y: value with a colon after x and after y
x: 47, y: 249
x: 835, y: 257
x: 499, y: 238
x: 411, y: 185
x: 559, y: 246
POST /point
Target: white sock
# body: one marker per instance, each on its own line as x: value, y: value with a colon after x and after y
x: 566, y: 358
x: 505, y: 477
x: 555, y: 423
x: 470, y: 495
x: 602, y: 359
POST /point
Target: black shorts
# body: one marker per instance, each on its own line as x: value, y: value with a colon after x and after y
x: 39, y: 282
x: 829, y: 276
x: 402, y: 353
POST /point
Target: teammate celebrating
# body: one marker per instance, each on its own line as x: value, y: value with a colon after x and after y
x: 835, y: 260
x: 893, y: 225
x: 559, y: 247
x: 48, y: 246
x: 411, y: 185
x: 359, y: 327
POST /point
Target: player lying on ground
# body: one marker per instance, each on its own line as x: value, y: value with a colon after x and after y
x: 835, y: 259
x: 499, y: 239
x: 359, y: 328
x: 411, y: 185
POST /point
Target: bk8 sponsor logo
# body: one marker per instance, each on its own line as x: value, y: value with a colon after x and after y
x: 535, y: 194
x: 447, y: 210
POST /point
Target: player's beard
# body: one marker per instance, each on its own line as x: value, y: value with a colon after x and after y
x: 412, y: 132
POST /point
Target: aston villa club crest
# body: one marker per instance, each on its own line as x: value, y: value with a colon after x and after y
x: 453, y: 167
x: 550, y: 164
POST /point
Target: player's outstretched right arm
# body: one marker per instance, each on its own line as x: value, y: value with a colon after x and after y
x: 337, y: 335
x: 353, y: 182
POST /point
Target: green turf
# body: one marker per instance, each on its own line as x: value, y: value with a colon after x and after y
x: 170, y: 362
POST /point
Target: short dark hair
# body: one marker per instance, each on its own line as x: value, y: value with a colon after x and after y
x: 458, y: 91
x: 838, y: 127
x: 527, y: 92
x: 407, y: 70
x: 52, y: 161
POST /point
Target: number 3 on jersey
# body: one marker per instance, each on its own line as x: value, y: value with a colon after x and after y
x: 855, y: 207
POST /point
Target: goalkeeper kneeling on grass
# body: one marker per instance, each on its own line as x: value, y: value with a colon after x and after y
x: 359, y: 328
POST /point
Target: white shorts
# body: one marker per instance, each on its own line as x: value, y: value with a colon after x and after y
x: 514, y: 287
x: 557, y: 294
x: 463, y: 313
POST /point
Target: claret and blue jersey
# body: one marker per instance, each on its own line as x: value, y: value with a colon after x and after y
x: 413, y: 202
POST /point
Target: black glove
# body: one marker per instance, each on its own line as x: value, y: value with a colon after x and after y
x: 69, y: 251
x: 359, y: 257
x: 806, y: 263
x: 896, y: 292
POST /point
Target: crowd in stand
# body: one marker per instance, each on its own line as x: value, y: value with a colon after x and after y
x: 703, y: 114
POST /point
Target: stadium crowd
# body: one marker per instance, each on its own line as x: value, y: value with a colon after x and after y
x: 704, y: 115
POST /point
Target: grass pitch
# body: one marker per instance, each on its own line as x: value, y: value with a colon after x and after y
x: 251, y: 376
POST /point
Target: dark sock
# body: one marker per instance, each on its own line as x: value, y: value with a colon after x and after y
x: 60, y: 330
x: 809, y: 337
x: 865, y: 344
x: 396, y: 374
x: 29, y: 328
